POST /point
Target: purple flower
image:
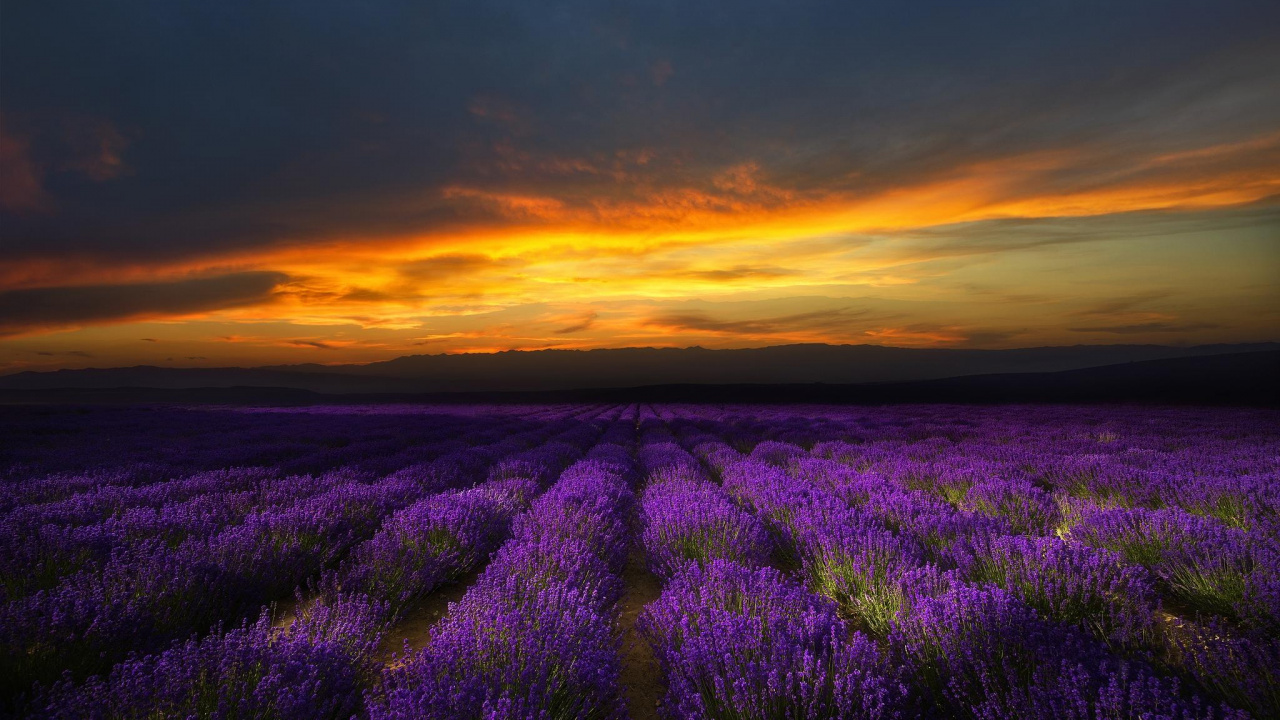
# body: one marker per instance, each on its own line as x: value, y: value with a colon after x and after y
x: 1071, y: 583
x: 740, y: 642
x: 552, y: 653
x: 690, y: 521
x: 316, y: 668
x: 1205, y: 565
x: 1241, y: 669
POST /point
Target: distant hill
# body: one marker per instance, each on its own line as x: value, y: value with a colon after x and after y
x: 1251, y: 378
x: 148, y: 376
x: 564, y: 370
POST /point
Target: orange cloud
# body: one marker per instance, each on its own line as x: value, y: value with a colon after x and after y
x: 674, y: 237
x: 516, y: 206
x: 913, y: 337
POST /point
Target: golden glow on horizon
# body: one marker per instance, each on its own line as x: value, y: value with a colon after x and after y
x: 741, y: 236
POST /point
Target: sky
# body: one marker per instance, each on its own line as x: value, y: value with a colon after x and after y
x: 249, y: 183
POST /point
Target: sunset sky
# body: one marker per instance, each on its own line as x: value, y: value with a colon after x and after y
x: 246, y: 182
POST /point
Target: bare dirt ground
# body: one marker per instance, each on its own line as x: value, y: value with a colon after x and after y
x: 641, y: 680
x: 416, y: 625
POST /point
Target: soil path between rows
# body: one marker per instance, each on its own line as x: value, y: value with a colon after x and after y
x: 641, y: 679
x: 415, y: 627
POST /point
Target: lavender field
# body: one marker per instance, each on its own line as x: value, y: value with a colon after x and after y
x: 676, y: 561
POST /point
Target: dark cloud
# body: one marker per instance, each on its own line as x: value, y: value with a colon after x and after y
x: 740, y: 272
x: 816, y: 320
x: 53, y: 307
x: 585, y: 322
x: 990, y: 338
x: 64, y: 353
x: 151, y: 340
x: 1009, y: 234
x: 318, y: 344
x: 247, y: 124
x: 364, y: 295
x: 443, y: 267
x: 1121, y: 305
x: 21, y: 182
x: 1147, y: 327
x: 1005, y: 235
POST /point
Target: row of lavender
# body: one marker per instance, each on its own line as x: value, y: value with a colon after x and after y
x: 734, y: 637
x: 817, y: 563
x: 534, y: 637
x: 956, y: 577
x: 48, y: 453
x: 262, y: 537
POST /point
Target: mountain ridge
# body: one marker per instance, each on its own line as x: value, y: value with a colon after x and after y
x: 1242, y: 379
x: 553, y: 370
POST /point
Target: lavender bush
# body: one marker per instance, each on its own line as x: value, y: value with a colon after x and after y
x: 740, y: 642
x: 1071, y: 583
x: 691, y: 521
x: 1207, y: 566
x: 813, y: 561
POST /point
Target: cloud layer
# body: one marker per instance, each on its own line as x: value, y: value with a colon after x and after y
x: 51, y: 308
x: 361, y: 180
